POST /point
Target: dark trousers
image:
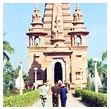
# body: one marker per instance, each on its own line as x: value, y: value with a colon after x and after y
x: 63, y: 102
x: 55, y: 101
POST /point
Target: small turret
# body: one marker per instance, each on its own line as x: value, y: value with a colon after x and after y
x: 78, y: 30
x: 78, y: 22
x: 37, y: 25
x: 36, y: 31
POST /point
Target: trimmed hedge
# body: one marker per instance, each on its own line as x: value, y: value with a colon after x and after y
x: 21, y: 100
x: 78, y: 92
x: 94, y: 99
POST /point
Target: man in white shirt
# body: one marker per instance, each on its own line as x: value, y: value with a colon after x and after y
x: 44, y: 94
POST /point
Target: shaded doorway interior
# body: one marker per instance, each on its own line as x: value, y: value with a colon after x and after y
x: 57, y: 72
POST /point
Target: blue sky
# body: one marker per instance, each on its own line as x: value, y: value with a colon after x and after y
x: 17, y: 18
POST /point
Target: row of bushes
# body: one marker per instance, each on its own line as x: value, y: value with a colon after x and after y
x: 14, y: 92
x: 21, y: 100
x: 78, y: 92
x: 91, y: 98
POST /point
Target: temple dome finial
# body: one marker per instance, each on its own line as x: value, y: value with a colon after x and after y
x: 36, y: 6
x: 77, y: 5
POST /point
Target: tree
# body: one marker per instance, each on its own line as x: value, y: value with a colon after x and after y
x: 7, y: 71
x: 7, y: 49
x: 101, y: 67
x: 7, y: 76
x: 26, y: 78
x: 91, y: 74
x: 104, y: 69
x: 104, y: 56
x: 91, y: 67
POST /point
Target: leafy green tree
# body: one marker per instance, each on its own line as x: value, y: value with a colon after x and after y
x: 104, y: 70
x: 91, y: 74
x: 91, y: 67
x: 101, y: 67
x: 26, y: 78
x: 7, y: 49
x: 7, y: 70
x: 7, y: 76
x: 104, y: 56
x: 16, y: 71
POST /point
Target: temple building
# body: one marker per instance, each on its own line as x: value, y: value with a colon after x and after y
x: 57, y: 45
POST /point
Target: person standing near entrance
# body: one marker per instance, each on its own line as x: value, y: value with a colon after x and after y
x: 55, y: 95
x: 63, y: 95
x: 44, y: 94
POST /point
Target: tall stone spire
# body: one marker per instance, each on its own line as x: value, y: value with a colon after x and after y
x: 52, y: 10
x: 57, y: 17
x: 57, y: 24
x: 57, y: 21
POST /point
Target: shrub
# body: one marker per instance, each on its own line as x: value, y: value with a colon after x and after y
x: 101, y: 100
x: 78, y: 92
x: 21, y: 100
x: 103, y: 89
x: 94, y: 99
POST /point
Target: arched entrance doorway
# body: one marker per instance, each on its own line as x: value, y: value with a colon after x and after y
x: 57, y: 72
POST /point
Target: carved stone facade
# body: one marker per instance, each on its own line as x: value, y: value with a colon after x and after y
x: 57, y: 45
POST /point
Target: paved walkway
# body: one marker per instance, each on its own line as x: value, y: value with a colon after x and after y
x: 71, y: 101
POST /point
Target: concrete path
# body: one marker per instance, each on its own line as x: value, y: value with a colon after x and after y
x: 71, y: 101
